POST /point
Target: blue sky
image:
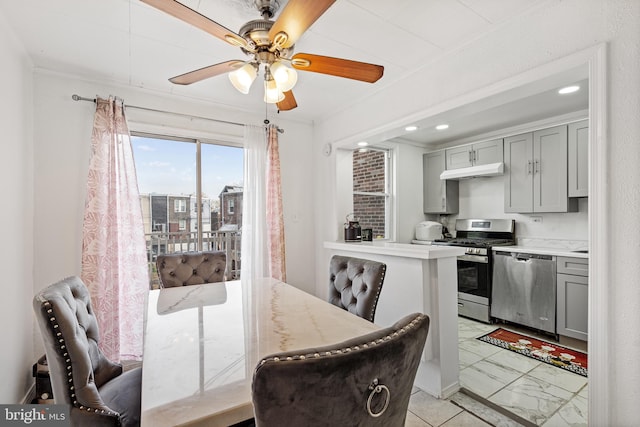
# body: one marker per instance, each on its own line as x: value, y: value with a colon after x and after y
x: 169, y: 167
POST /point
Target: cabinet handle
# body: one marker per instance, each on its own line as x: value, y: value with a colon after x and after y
x: 443, y: 203
x: 470, y: 156
x: 474, y: 156
x: 529, y: 167
x: 537, y: 170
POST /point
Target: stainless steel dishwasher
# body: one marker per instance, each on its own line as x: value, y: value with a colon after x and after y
x: 524, y: 289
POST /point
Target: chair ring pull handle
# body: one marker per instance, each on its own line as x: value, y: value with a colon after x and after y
x: 375, y: 389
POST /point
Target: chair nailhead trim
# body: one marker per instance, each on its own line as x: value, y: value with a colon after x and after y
x: 362, y: 346
x: 52, y: 320
x: 379, y: 287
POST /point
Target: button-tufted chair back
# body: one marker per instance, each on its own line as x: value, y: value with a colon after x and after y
x: 191, y: 268
x: 355, y: 284
x: 365, y: 381
x: 97, y: 390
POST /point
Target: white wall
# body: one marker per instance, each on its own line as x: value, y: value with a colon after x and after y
x: 16, y: 216
x: 552, y: 32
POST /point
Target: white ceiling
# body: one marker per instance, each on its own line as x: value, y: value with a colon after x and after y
x: 128, y: 42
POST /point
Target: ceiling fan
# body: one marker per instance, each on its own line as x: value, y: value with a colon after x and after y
x: 269, y: 44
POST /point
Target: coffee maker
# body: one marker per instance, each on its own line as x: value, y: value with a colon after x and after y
x: 352, y: 229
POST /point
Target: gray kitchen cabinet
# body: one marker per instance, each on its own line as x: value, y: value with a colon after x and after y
x: 440, y: 196
x: 573, y: 297
x: 536, y: 172
x: 578, y: 144
x: 481, y: 153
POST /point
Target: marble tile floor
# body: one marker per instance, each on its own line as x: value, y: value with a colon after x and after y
x: 459, y: 410
x: 537, y: 394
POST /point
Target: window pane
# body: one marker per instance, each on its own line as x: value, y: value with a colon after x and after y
x: 222, y: 181
x: 370, y: 198
x: 167, y: 181
x: 371, y: 211
x: 369, y: 171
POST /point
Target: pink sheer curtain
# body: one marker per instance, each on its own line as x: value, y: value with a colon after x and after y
x: 275, y: 218
x: 263, y: 253
x: 114, y: 261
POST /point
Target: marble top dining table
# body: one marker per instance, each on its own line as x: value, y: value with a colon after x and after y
x: 202, y: 343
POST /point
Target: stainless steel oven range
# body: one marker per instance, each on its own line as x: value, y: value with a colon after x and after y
x: 475, y: 267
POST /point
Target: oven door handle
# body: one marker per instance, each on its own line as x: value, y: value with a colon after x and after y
x: 474, y: 258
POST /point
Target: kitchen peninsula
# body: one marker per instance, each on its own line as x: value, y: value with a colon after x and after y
x: 419, y: 278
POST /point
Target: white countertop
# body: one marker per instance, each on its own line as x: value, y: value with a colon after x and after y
x: 405, y: 250
x: 542, y: 251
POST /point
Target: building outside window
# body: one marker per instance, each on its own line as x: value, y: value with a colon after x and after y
x: 180, y: 205
x: 182, y: 224
x: 371, y: 194
x: 230, y: 199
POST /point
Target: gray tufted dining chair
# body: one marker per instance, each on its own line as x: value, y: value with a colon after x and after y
x: 364, y: 381
x: 97, y: 390
x: 355, y: 284
x: 191, y: 268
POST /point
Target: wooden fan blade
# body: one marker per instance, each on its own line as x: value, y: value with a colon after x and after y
x: 288, y: 103
x: 206, y: 72
x: 296, y: 17
x: 190, y: 16
x: 337, y: 67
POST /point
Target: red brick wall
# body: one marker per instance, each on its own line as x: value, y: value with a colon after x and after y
x: 369, y: 176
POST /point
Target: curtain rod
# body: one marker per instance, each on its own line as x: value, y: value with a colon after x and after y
x: 82, y: 98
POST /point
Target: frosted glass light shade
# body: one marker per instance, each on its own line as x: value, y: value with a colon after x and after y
x: 243, y: 77
x: 284, y: 76
x: 272, y: 94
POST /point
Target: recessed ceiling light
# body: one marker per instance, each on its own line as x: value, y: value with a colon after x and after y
x: 568, y: 89
x: 442, y: 127
x: 411, y: 128
x: 363, y: 143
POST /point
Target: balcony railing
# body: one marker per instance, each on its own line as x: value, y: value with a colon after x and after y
x: 160, y: 243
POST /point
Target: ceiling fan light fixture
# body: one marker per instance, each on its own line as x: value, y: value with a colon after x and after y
x: 272, y: 94
x: 284, y: 76
x: 243, y: 77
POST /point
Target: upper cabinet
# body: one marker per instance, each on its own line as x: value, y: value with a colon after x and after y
x: 481, y: 153
x: 440, y: 196
x: 578, y: 159
x: 536, y: 172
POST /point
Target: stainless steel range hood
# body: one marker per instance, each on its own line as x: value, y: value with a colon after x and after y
x: 491, y: 169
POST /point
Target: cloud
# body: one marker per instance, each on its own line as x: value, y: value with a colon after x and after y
x: 158, y: 164
x: 143, y: 147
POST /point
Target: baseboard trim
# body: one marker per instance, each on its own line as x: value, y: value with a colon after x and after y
x: 30, y: 396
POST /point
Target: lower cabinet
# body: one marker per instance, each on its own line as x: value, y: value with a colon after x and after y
x: 573, y: 297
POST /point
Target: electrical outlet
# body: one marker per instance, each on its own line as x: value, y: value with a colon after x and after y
x: 536, y: 218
